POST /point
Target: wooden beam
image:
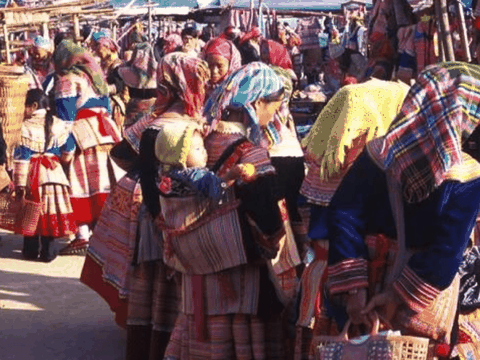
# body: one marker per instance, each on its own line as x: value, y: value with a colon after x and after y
x: 441, y: 47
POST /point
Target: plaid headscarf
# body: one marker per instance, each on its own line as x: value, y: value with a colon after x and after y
x: 425, y: 140
x: 72, y: 58
x: 277, y: 54
x: 223, y: 47
x: 238, y: 92
x: 186, y: 75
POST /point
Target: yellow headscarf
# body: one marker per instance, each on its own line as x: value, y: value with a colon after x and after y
x: 355, y: 110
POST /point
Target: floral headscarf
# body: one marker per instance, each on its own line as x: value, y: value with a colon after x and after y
x: 108, y: 43
x: 223, y: 47
x: 187, y: 76
x: 72, y: 58
x: 140, y: 71
x: 238, y: 92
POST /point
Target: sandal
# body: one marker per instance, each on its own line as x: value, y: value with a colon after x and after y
x: 75, y: 247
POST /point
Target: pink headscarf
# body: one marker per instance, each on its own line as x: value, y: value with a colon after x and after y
x: 253, y: 33
x: 172, y: 42
x: 223, y: 47
x: 277, y: 54
x: 108, y: 43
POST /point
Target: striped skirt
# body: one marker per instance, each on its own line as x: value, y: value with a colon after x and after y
x: 92, y: 175
x: 57, y: 219
x: 234, y: 337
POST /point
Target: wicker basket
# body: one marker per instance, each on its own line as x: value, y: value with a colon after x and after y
x: 14, y: 85
x: 20, y: 216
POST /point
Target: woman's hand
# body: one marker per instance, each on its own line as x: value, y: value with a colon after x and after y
x: 385, y: 304
x: 19, y: 193
x: 355, y: 306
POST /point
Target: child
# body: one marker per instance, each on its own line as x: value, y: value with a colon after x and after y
x: 46, y: 145
x: 180, y: 149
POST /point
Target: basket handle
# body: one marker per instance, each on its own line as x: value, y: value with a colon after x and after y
x: 375, y: 327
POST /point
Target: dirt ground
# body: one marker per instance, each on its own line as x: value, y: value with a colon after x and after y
x: 46, y: 313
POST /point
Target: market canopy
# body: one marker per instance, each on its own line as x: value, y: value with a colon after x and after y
x: 326, y: 5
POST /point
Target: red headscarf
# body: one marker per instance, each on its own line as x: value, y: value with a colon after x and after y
x: 108, y: 43
x: 223, y: 47
x: 277, y: 54
x: 253, y: 33
x: 172, y: 42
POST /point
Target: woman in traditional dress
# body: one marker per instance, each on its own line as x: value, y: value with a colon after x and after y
x: 223, y: 58
x: 46, y: 144
x: 234, y: 313
x: 151, y: 294
x: 81, y: 96
x: 415, y: 185
x: 108, y: 52
x: 354, y: 116
x: 139, y: 75
x: 40, y: 61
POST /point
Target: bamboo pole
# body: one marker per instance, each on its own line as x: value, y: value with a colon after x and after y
x: 441, y: 47
x: 7, y: 44
x: 45, y: 33
x: 445, y: 31
x: 150, y: 21
x: 463, y: 30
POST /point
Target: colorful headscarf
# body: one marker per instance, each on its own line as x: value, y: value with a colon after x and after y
x: 187, y: 76
x: 140, y: 71
x: 425, y: 140
x: 238, y: 92
x: 277, y: 54
x: 253, y: 33
x: 108, y: 43
x: 172, y: 42
x: 72, y: 58
x: 43, y: 43
x: 223, y: 47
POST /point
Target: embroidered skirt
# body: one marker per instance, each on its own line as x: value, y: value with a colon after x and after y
x: 57, y: 219
x: 92, y: 175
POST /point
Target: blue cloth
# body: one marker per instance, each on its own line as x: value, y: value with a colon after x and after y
x: 239, y: 92
x: 67, y: 106
x: 201, y: 180
x: 24, y: 153
x: 437, y: 228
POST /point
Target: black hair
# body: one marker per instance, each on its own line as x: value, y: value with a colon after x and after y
x: 276, y: 96
x: 60, y: 37
x: 148, y: 165
x: 190, y: 31
x: 38, y: 96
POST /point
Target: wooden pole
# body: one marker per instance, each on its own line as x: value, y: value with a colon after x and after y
x: 76, y: 28
x: 114, y: 32
x: 463, y: 31
x: 7, y: 44
x: 150, y: 21
x: 441, y: 47
x: 46, y: 35
x: 445, y: 28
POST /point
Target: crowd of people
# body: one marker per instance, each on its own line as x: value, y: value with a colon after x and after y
x: 212, y: 231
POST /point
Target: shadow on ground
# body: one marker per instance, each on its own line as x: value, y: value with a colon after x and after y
x: 46, y: 313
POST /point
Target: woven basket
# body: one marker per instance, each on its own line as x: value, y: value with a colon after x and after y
x: 20, y: 216
x: 14, y: 85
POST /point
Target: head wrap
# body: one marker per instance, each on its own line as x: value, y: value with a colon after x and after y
x: 277, y: 54
x: 238, y: 92
x: 187, y: 76
x: 108, y: 43
x: 425, y: 140
x: 42, y: 43
x: 253, y: 33
x: 172, y: 42
x: 98, y: 35
x: 223, y: 47
x: 140, y: 71
x: 72, y: 58
x: 173, y: 142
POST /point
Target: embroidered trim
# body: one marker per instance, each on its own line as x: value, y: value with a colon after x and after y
x: 347, y: 275
x: 226, y: 127
x: 415, y: 292
x: 20, y: 172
